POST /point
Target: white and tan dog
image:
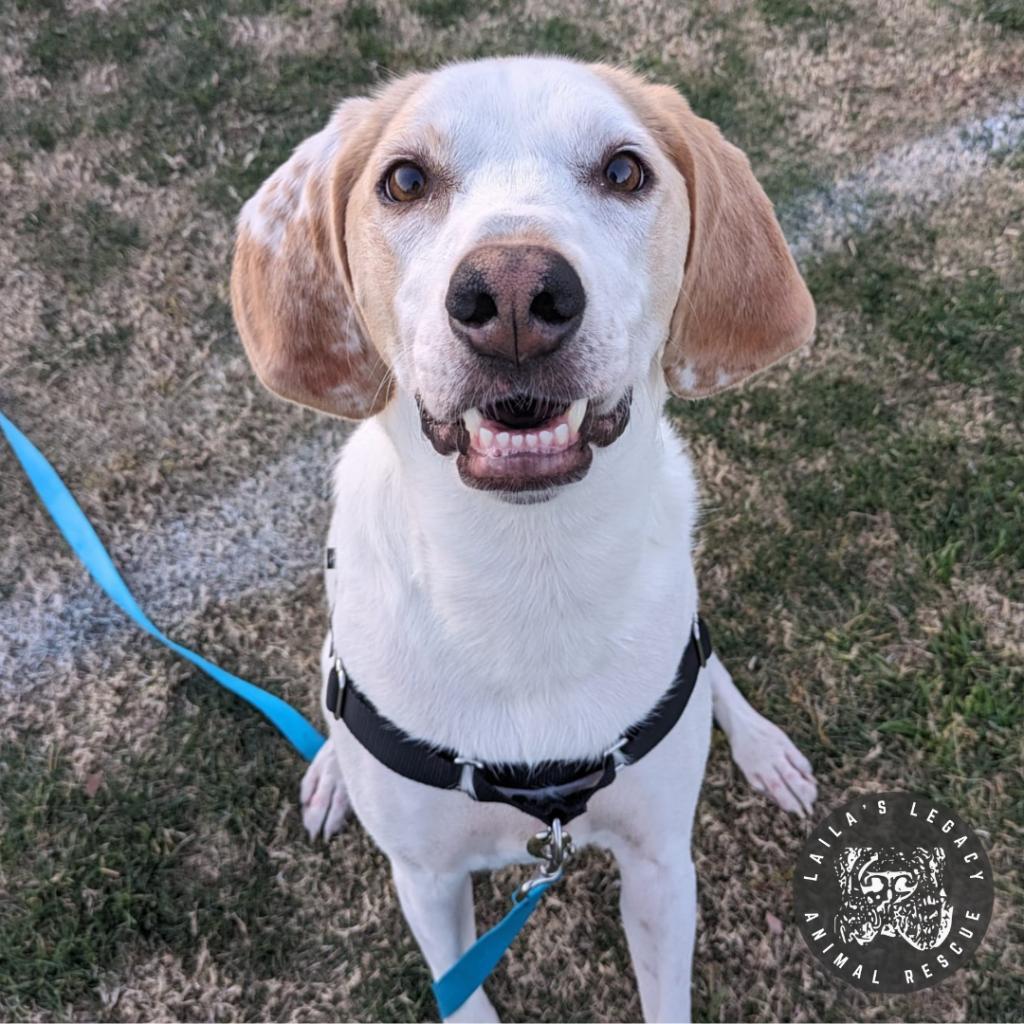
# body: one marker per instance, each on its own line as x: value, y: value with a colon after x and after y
x: 502, y: 267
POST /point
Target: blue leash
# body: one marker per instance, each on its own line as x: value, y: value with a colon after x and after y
x: 470, y: 971
x: 79, y: 533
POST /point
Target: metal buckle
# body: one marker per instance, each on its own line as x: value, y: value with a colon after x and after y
x: 341, y: 678
x: 615, y: 747
x: 469, y: 769
x: 700, y: 643
x: 618, y: 762
x: 554, y: 847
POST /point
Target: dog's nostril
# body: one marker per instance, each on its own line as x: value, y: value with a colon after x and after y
x: 483, y: 309
x: 471, y: 306
x: 561, y: 298
x: 545, y: 307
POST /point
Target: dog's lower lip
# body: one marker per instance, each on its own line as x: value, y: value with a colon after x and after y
x: 527, y: 471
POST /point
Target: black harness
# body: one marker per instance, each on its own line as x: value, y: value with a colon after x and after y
x: 552, y: 790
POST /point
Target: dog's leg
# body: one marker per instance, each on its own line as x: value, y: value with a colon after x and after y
x: 764, y: 753
x: 439, y: 909
x: 323, y: 794
x: 659, y: 914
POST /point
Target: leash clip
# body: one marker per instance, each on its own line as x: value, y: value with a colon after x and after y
x: 554, y: 847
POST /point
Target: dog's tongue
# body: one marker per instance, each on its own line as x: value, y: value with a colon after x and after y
x: 523, y: 412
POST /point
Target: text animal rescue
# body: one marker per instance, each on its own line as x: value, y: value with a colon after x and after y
x: 827, y: 940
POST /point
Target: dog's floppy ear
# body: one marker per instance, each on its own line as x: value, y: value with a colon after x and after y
x: 743, y: 304
x: 290, y: 287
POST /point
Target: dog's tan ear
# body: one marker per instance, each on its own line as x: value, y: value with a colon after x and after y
x: 743, y: 304
x: 289, y: 286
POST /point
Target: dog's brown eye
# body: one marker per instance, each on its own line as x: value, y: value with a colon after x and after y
x: 405, y: 182
x: 624, y: 173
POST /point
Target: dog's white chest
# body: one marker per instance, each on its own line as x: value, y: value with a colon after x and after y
x: 511, y: 633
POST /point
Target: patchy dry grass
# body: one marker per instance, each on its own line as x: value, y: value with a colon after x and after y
x: 863, y: 549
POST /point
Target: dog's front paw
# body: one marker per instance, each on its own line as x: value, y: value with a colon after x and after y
x: 323, y: 794
x: 773, y: 765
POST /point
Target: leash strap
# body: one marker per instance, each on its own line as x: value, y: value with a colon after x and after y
x: 470, y: 971
x: 86, y: 544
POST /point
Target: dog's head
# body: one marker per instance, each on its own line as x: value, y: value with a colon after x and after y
x: 515, y: 243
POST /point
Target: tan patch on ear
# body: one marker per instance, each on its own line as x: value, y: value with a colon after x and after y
x: 290, y: 286
x: 743, y: 304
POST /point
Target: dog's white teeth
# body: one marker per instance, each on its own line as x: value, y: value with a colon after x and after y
x: 494, y: 442
x: 575, y: 415
x: 472, y: 418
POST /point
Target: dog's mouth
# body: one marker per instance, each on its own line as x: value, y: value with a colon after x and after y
x: 525, y: 442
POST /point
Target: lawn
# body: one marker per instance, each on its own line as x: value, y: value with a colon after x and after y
x: 862, y: 552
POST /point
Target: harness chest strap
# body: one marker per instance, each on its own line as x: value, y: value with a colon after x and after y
x: 556, y: 790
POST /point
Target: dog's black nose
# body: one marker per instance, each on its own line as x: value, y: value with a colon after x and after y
x: 515, y: 302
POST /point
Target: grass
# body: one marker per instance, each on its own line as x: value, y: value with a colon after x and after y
x: 964, y: 331
x: 99, y: 872
x: 83, y: 245
x: 444, y: 13
x: 862, y: 550
x: 1004, y: 13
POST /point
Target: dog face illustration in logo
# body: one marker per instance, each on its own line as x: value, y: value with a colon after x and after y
x: 893, y: 892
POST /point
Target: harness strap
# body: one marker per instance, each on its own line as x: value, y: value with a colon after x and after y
x: 643, y: 737
x: 559, y: 789
x: 408, y: 757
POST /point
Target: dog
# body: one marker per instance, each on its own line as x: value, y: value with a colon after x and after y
x: 501, y: 268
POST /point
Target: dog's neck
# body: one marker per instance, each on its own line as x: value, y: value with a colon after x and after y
x: 548, y: 577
